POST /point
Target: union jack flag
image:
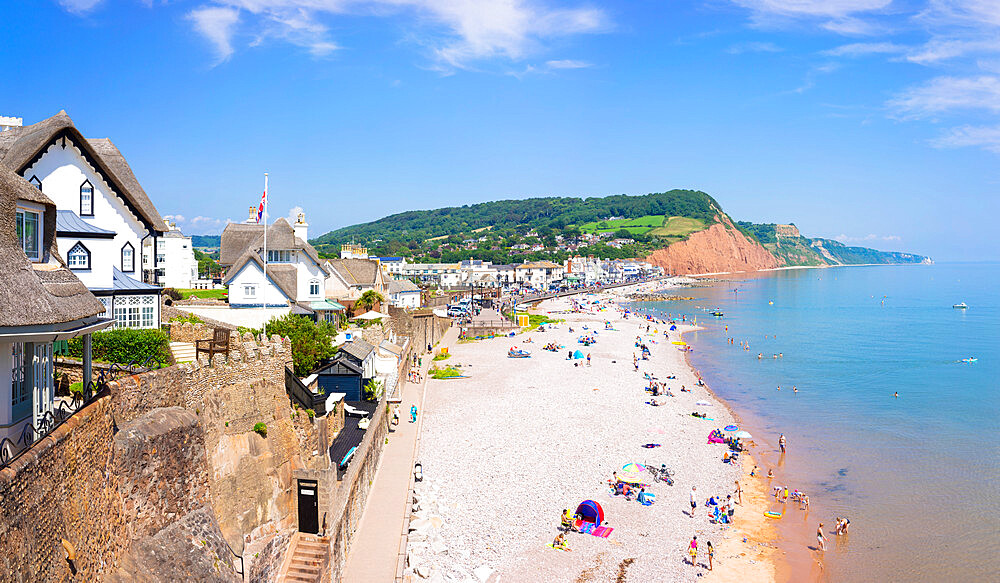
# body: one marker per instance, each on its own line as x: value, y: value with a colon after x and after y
x: 260, y: 209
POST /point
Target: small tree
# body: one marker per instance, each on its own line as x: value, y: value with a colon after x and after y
x: 312, y: 342
x: 369, y: 300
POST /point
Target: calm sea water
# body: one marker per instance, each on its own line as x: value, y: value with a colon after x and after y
x: 918, y: 475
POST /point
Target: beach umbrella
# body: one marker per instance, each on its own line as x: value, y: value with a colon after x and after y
x: 743, y: 435
x: 633, y: 473
x: 703, y: 403
x: 679, y: 343
x: 730, y: 428
x: 633, y: 467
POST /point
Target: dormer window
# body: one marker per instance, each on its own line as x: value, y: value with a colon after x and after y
x: 28, y: 234
x: 78, y: 257
x: 128, y: 258
x: 86, y: 199
x: 36, y: 182
x: 279, y: 256
x: 314, y: 287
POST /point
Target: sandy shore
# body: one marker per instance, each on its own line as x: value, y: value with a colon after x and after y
x: 507, y: 449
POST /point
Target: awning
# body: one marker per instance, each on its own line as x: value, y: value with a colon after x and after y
x: 326, y: 306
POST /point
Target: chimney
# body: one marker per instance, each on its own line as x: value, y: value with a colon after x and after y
x: 301, y: 227
x: 253, y: 215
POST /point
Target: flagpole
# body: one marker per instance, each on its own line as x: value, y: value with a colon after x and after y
x: 264, y: 287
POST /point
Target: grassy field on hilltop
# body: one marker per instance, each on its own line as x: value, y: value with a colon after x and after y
x: 653, y: 225
x: 678, y: 227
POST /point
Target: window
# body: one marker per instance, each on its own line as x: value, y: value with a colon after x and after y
x: 147, y: 316
x: 86, y: 199
x: 128, y: 258
x: 314, y: 287
x: 250, y: 291
x: 36, y: 182
x: 78, y: 257
x: 27, y: 233
x: 279, y: 256
x: 19, y: 388
x: 161, y: 258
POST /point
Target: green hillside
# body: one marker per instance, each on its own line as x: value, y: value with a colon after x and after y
x: 555, y: 213
x: 799, y: 250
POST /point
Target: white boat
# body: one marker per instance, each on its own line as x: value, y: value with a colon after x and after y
x: 960, y: 306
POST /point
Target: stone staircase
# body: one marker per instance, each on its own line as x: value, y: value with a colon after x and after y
x: 308, y: 555
x: 183, y: 351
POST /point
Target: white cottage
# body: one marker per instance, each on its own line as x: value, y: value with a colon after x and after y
x: 41, y: 301
x: 296, y: 278
x: 176, y: 265
x: 103, y: 216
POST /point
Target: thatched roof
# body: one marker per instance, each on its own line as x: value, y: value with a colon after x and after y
x: 240, y: 238
x: 43, y: 293
x: 401, y: 286
x: 284, y: 275
x: 22, y: 146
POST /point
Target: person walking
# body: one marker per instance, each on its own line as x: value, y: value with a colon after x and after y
x: 693, y: 551
x: 739, y: 493
x: 781, y: 443
x: 711, y: 554
x: 820, y: 538
x: 694, y: 502
x: 588, y: 359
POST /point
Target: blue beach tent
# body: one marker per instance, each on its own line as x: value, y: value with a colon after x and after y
x: 579, y: 354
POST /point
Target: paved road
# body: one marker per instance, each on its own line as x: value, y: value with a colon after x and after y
x: 376, y: 546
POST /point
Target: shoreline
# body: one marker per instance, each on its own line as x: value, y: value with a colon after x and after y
x: 791, y: 267
x: 499, y: 423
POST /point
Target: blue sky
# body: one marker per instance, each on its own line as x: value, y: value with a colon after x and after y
x: 874, y: 121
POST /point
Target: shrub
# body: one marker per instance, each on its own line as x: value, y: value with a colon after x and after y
x: 260, y: 429
x: 312, y: 342
x: 76, y: 388
x: 190, y: 318
x: 310, y: 413
x: 442, y: 356
x: 172, y: 294
x: 445, y: 373
x: 373, y: 390
x: 126, y: 345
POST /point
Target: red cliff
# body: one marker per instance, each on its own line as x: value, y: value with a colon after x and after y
x: 720, y: 248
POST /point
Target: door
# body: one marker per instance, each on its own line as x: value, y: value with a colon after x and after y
x: 308, y: 507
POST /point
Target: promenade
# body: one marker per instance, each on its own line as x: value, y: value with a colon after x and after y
x: 376, y: 547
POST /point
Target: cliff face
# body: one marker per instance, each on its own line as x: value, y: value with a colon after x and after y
x: 720, y: 248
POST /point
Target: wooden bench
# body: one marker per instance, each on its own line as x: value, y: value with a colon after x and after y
x: 218, y: 344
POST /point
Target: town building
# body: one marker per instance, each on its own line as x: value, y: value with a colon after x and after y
x: 403, y: 293
x: 538, y: 274
x: 103, y: 217
x: 42, y: 302
x: 296, y: 277
x: 176, y: 265
x: 351, y: 277
x: 443, y: 275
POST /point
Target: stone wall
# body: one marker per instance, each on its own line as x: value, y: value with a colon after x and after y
x: 250, y: 475
x: 188, y: 332
x: 63, y: 488
x: 421, y: 326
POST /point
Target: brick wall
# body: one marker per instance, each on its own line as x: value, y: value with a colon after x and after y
x: 63, y: 488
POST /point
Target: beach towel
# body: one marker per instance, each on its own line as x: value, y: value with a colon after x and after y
x: 651, y: 445
x: 585, y: 527
x: 558, y: 548
x: 602, y: 531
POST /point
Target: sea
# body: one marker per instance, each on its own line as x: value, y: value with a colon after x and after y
x: 917, y: 474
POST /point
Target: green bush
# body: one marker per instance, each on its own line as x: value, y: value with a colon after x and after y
x: 260, y: 429
x: 172, y: 294
x: 442, y: 356
x: 126, y: 345
x: 310, y: 413
x: 312, y: 342
x: 76, y: 388
x: 445, y: 373
x: 190, y: 318
x: 373, y: 390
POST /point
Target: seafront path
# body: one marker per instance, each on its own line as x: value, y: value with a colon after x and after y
x: 376, y: 547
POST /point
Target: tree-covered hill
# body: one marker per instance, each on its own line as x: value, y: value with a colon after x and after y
x: 791, y: 248
x: 555, y: 213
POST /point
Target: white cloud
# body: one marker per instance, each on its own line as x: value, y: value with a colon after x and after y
x: 174, y: 218
x: 457, y: 32
x: 754, y: 47
x: 985, y: 137
x: 862, y: 49
x: 828, y: 8
x: 217, y: 24
x: 79, y: 6
x: 946, y: 94
x: 568, y: 64
x: 199, y: 225
x: 293, y: 214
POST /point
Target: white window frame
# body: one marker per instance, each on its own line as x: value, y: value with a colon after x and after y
x: 70, y: 256
x: 312, y: 284
x: 86, y: 204
x: 131, y: 258
x: 250, y: 290
x: 280, y: 256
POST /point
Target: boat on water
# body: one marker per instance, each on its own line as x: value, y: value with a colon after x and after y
x: 961, y: 306
x: 970, y: 360
x: 717, y: 314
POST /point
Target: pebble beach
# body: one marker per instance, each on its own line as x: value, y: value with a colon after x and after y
x: 507, y: 448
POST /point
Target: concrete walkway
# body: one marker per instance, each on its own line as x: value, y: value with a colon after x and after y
x: 376, y: 545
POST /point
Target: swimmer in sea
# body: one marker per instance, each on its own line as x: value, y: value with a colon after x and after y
x: 794, y: 390
x: 896, y: 394
x: 779, y: 387
x: 760, y: 355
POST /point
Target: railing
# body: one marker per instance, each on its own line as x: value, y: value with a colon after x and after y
x: 302, y: 395
x: 52, y: 419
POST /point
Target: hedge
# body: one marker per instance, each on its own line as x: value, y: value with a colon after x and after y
x: 126, y: 345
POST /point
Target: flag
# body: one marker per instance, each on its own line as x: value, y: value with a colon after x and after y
x: 260, y: 209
